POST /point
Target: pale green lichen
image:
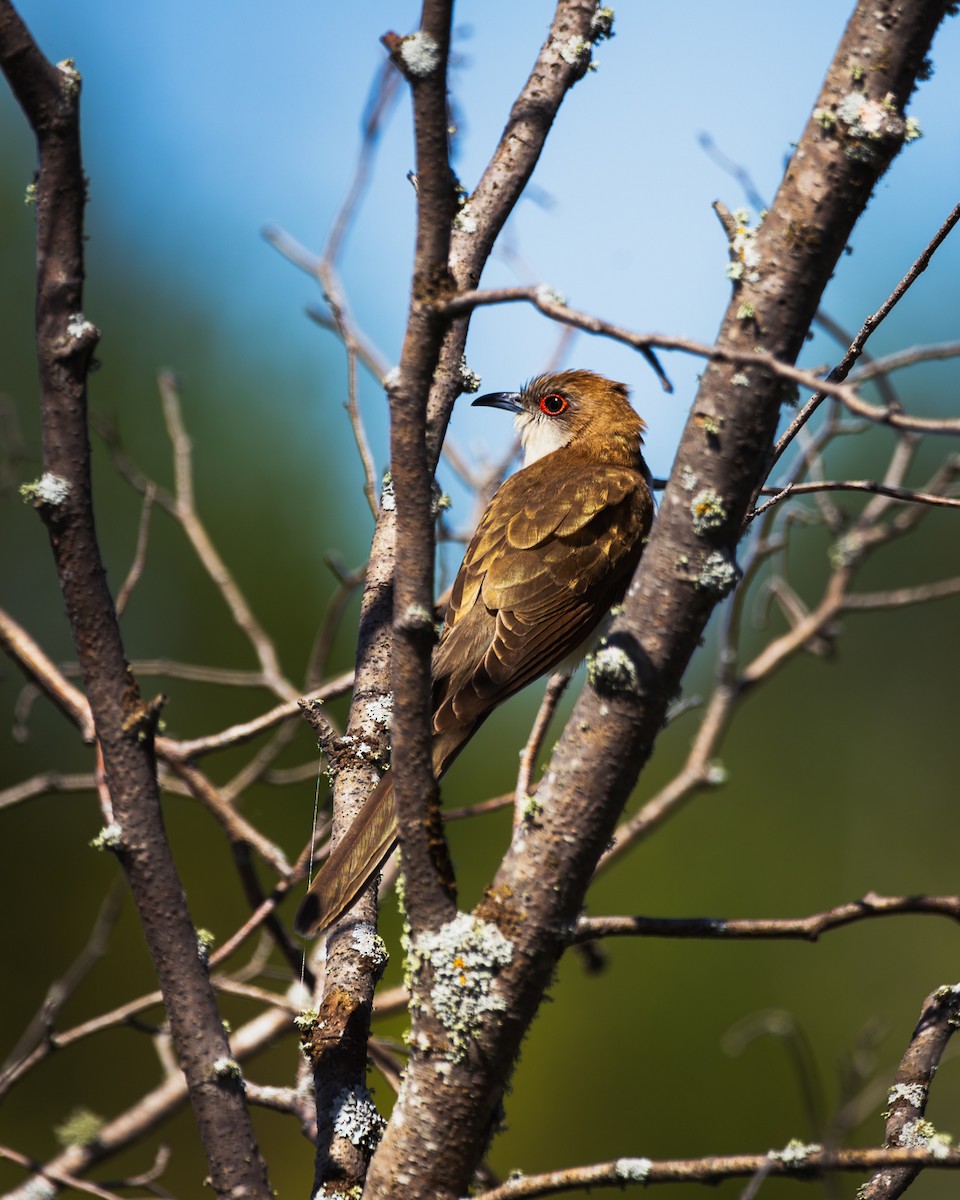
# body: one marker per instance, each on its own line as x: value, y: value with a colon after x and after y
x: 546, y: 295
x: 465, y: 220
x: 688, y: 478
x: 370, y: 946
x: 743, y: 247
x: 80, y: 1128
x: 576, y: 52
x: 708, y: 511
x: 440, y: 502
x: 379, y: 712
x: 795, y: 1153
x: 420, y: 54
x: 914, y: 1094
x: 469, y: 380
x: 463, y: 957
x: 924, y: 1135
x: 746, y: 311
x: 718, y: 574
x: 709, y: 424
x: 30, y: 196
x: 601, y: 24
x: 306, y: 1021
x: 71, y: 76
x: 79, y: 327
x: 530, y: 809
x: 633, y: 1170
x: 417, y: 616
x: 355, y: 1117
x: 862, y: 116
x: 205, y: 943
x: 847, y: 550
x: 39, y: 1189
x: 109, y: 838
x: 610, y: 669
x: 716, y: 773
x: 228, y: 1070
x: 49, y: 490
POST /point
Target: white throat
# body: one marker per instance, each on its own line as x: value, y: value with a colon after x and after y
x: 539, y: 435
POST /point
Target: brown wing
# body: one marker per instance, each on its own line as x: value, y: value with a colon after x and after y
x: 555, y: 549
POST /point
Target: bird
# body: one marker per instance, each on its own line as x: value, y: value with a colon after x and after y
x: 554, y: 550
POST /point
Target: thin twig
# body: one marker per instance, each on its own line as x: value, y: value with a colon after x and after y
x: 54, y: 1177
x: 44, y: 783
x: 869, y: 326
x: 237, y: 827
x: 195, y: 530
x: 806, y: 929
x: 59, y: 992
x: 795, y: 1160
x: 35, y: 664
x: 466, y: 301
x: 556, y: 685
x: 908, y: 495
x: 155, y: 1106
x: 140, y: 554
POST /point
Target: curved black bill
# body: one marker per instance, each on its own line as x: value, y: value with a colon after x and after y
x: 510, y: 401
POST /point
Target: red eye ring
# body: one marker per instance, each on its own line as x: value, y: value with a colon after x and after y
x: 554, y: 404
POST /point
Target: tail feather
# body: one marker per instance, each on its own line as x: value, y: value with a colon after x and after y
x: 358, y: 855
x: 367, y: 844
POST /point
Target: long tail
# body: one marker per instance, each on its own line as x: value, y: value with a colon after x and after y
x: 358, y: 855
x: 368, y: 843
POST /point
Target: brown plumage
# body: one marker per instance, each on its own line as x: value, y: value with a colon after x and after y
x: 554, y: 551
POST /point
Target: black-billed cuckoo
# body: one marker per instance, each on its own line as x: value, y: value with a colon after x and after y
x: 554, y: 550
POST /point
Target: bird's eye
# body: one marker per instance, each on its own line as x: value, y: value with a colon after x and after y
x: 554, y: 404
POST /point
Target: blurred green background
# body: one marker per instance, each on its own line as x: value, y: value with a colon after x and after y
x: 201, y: 127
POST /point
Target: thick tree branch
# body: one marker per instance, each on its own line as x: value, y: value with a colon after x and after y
x: 423, y: 58
x: 907, y: 1099
x: 125, y: 726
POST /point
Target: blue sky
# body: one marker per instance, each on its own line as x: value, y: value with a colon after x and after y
x: 204, y: 122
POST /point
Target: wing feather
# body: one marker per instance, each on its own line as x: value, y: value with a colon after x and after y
x: 554, y: 551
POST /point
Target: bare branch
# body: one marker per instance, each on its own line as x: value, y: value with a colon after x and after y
x: 236, y: 735
x: 193, y: 527
x: 543, y: 300
x: 154, y: 1107
x: 907, y: 1099
x: 140, y: 554
x: 556, y: 685
x: 908, y: 495
x: 52, y: 1176
x: 28, y: 656
x: 59, y: 992
x: 796, y: 1160
x: 869, y: 326
x: 898, y: 597
x: 44, y: 783
x: 125, y: 725
x: 806, y: 929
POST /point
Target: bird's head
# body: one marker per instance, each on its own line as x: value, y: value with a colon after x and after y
x: 579, y: 409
